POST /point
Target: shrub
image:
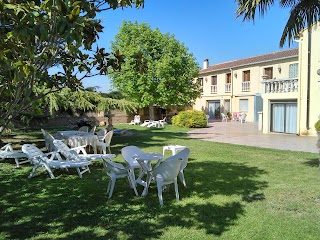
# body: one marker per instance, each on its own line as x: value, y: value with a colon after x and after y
x: 190, y: 119
x: 317, y: 126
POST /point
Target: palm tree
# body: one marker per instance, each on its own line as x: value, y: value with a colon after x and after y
x: 303, y: 14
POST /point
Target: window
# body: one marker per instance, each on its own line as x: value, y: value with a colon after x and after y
x: 200, y: 81
x: 243, y: 105
x: 293, y: 70
x: 268, y: 72
x: 246, y: 76
x: 214, y: 80
x: 228, y: 78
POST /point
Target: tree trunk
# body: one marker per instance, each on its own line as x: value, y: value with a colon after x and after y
x: 151, y: 112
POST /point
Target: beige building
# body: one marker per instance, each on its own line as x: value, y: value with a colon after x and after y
x: 281, y: 90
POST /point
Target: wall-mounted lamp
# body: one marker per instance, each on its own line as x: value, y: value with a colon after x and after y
x: 279, y: 68
x: 206, y: 79
x: 235, y: 74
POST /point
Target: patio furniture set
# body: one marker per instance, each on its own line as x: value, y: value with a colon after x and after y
x: 148, y: 123
x: 60, y: 155
x: 65, y: 151
x: 236, y: 116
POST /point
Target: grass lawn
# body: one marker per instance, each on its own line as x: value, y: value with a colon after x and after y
x: 234, y: 192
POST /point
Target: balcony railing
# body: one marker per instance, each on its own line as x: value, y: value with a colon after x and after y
x: 280, y: 85
x: 214, y: 88
x: 245, y: 87
x: 227, y: 87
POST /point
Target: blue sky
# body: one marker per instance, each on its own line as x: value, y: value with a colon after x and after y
x: 208, y: 28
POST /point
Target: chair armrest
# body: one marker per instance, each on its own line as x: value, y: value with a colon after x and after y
x: 80, y: 149
x: 53, y: 155
x: 7, y: 148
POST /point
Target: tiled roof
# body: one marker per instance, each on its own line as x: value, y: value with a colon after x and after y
x: 252, y: 60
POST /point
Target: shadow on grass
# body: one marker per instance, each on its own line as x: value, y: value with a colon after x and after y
x: 73, y: 208
x: 314, y: 162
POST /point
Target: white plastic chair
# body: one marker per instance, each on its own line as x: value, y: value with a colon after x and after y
x: 162, y: 122
x: 145, y: 123
x: 105, y: 142
x: 115, y: 171
x: 224, y: 117
x: 78, y: 152
x: 184, y: 156
x: 154, y: 124
x: 136, y: 120
x: 40, y: 159
x: 84, y: 129
x: 243, y: 118
x: 128, y: 154
x: 164, y: 174
x: 7, y: 151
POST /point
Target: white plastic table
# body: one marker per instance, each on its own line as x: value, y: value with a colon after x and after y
x: 77, y: 138
x: 145, y: 162
x: 173, y: 148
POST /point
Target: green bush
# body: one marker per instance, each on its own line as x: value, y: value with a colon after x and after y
x: 190, y: 119
x: 317, y: 126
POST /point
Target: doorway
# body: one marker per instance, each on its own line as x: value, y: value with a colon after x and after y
x: 214, y: 109
x: 284, y: 117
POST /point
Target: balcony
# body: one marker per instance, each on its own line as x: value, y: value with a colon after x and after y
x: 245, y: 86
x: 214, y: 88
x: 227, y: 87
x: 280, y: 85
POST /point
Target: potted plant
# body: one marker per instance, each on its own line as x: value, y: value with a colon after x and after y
x: 317, y: 127
x: 229, y: 115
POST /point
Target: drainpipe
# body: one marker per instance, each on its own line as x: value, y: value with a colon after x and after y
x: 299, y: 81
x: 308, y: 79
x: 231, y: 97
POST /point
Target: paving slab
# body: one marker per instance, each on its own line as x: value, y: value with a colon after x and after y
x: 249, y: 135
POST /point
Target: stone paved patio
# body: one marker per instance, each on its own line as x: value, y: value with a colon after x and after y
x: 248, y: 134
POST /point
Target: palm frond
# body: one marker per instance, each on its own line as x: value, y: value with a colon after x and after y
x: 302, y: 15
x: 247, y: 8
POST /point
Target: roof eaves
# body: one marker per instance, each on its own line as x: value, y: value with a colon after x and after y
x: 248, y: 64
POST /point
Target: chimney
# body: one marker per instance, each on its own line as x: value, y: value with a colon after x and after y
x: 205, y: 63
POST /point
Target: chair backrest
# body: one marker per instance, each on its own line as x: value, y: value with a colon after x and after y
x: 93, y: 129
x: 129, y: 152
x: 111, y: 166
x: 48, y: 138
x: 184, y: 156
x: 6, y: 148
x: 108, y: 137
x: 101, y: 133
x: 34, y: 153
x: 136, y: 119
x: 168, y: 169
x: 65, y: 150
x: 84, y: 129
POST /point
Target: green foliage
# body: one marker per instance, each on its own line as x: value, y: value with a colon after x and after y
x: 158, y: 68
x: 303, y: 14
x: 49, y: 45
x: 190, y: 119
x: 317, y: 126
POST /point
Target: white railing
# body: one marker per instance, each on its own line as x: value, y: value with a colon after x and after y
x: 214, y: 88
x: 227, y: 87
x: 280, y: 85
x: 245, y: 86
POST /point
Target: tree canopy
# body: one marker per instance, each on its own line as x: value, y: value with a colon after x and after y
x: 303, y: 13
x: 158, y: 69
x: 38, y: 36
